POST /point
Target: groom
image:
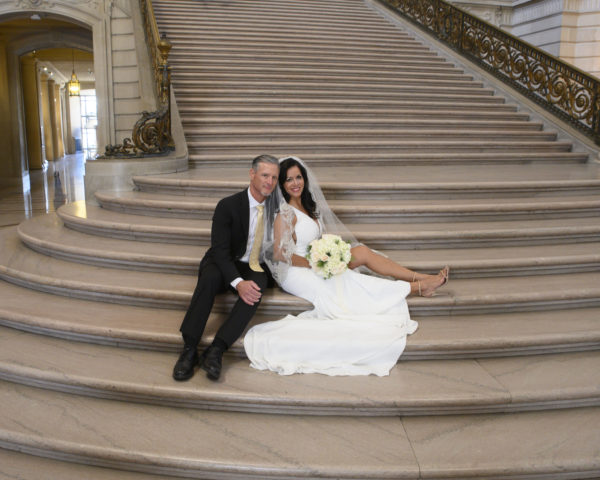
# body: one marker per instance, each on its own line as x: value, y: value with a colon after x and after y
x: 230, y: 263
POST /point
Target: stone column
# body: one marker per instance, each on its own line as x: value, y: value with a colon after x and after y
x: 32, y: 112
x: 46, y: 123
x: 8, y: 127
x: 69, y: 141
x: 52, y: 121
x: 57, y: 132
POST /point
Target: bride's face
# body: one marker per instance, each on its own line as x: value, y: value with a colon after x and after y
x: 294, y: 182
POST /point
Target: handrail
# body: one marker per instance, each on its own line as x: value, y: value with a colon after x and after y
x: 567, y: 92
x: 152, y: 132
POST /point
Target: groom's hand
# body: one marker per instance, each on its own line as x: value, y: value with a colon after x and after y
x: 249, y: 291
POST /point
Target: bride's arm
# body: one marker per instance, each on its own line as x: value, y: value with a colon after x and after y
x: 280, y: 232
x: 298, y: 261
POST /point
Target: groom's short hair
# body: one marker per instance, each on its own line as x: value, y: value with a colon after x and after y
x: 264, y: 159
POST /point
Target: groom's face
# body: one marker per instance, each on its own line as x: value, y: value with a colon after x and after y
x: 263, y: 180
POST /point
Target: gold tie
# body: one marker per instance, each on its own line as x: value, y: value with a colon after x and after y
x: 258, y: 236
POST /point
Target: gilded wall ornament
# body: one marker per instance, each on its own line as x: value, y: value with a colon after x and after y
x: 570, y: 94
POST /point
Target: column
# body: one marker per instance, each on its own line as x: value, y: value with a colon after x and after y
x: 57, y: 132
x: 32, y: 112
x: 46, y: 124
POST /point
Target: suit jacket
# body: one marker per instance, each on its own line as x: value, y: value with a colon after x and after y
x: 229, y: 234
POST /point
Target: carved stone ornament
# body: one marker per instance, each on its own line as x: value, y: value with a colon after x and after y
x: 48, y: 4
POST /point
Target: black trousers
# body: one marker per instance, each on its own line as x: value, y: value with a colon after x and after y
x: 210, y: 283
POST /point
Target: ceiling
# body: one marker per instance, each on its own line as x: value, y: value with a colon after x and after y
x: 58, y: 61
x: 62, y: 61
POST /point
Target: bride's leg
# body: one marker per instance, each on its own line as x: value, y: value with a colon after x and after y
x: 363, y: 255
x: 420, y: 283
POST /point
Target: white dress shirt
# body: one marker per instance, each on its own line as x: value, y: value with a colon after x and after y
x: 251, y: 230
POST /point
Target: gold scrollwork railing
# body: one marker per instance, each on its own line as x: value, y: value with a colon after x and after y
x: 152, y: 132
x: 567, y: 92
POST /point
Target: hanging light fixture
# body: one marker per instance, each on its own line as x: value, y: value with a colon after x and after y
x: 74, y: 85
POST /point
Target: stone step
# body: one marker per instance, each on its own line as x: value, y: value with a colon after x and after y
x: 375, y: 158
x: 288, y: 85
x: 304, y: 111
x: 276, y: 17
x: 228, y: 46
x: 371, y: 211
x: 45, y: 235
x: 312, y: 76
x: 199, y: 23
x: 269, y: 20
x: 426, y: 387
x: 16, y: 465
x: 316, y: 63
x: 192, y: 442
x: 456, y: 337
x: 211, y: 444
x: 301, y: 17
x: 398, y: 182
x: 331, y: 34
x: 232, y: 47
x: 316, y: 134
x: 405, y: 103
x: 315, y: 36
x: 24, y: 267
x: 214, y: 55
x: 332, y: 9
x: 308, y: 147
x: 98, y: 221
x: 376, y: 126
x: 220, y: 71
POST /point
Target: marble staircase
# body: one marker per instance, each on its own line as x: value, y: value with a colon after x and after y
x: 423, y: 162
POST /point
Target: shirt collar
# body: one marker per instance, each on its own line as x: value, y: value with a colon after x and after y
x: 252, y: 200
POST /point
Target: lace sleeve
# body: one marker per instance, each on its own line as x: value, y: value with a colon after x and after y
x: 281, y: 245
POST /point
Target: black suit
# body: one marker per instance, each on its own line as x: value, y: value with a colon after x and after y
x: 219, y: 267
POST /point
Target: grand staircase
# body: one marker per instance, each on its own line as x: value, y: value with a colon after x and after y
x: 421, y: 161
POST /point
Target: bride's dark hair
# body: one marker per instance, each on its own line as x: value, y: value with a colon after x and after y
x: 306, y: 198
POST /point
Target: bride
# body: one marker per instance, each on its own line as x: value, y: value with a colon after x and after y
x: 359, y: 322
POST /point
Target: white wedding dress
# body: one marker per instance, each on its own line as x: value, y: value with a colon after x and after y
x: 358, y: 325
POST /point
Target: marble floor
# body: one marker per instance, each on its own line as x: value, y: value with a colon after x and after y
x: 44, y: 191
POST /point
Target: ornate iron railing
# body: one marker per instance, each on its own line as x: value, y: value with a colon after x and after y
x: 152, y: 132
x: 569, y: 93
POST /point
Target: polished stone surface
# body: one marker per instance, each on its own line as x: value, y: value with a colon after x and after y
x: 21, y: 265
x: 20, y: 466
x: 412, y: 388
x: 469, y: 336
x: 44, y: 190
x: 119, y: 434
x: 553, y: 444
x: 44, y: 234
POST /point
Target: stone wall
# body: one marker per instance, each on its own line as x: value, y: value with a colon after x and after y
x: 567, y: 29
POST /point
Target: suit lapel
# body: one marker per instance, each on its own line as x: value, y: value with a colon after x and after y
x: 245, y: 214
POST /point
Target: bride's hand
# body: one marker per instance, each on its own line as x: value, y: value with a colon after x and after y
x: 249, y: 291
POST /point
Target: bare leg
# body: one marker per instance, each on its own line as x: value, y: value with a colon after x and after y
x: 421, y: 283
x: 363, y: 255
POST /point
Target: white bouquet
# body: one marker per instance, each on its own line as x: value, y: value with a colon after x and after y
x: 328, y: 255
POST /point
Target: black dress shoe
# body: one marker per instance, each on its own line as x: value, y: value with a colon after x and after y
x: 212, y: 362
x: 184, y: 368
